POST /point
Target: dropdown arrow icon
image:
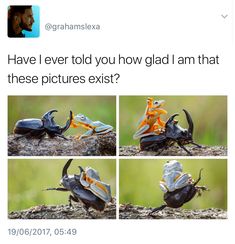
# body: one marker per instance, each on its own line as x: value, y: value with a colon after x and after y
x: 224, y: 16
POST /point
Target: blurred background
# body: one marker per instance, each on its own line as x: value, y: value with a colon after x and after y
x: 28, y: 178
x: 209, y: 114
x: 102, y: 108
x: 139, y: 182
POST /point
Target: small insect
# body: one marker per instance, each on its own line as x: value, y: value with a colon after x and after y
x: 178, y: 187
x: 38, y: 128
x: 86, y: 188
x: 173, y: 133
x: 92, y: 127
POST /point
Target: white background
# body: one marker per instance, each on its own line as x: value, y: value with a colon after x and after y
x: 131, y: 28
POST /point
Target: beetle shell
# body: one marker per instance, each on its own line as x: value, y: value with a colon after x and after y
x: 25, y: 126
x: 39, y: 127
x: 155, y: 142
x: 178, y: 197
x: 82, y: 194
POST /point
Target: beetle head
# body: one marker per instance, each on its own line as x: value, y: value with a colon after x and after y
x: 48, y: 121
x: 176, y: 132
x: 51, y: 126
x: 48, y: 117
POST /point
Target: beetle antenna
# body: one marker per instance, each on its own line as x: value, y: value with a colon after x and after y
x: 64, y: 172
x: 199, y: 178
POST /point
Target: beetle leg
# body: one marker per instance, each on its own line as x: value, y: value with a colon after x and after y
x: 199, y: 177
x: 88, y: 213
x: 199, y: 146
x: 25, y: 135
x: 185, y: 149
x: 56, y: 189
x: 18, y: 137
x: 161, y: 150
x: 41, y: 137
x: 61, y: 136
x: 72, y: 198
x: 158, y: 152
x: 200, y: 189
x: 157, y: 209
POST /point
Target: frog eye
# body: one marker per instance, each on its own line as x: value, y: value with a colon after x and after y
x: 155, y: 103
x: 82, y: 117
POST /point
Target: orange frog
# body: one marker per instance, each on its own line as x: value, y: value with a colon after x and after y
x: 151, y: 122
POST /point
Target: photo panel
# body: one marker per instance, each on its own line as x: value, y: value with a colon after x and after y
x: 61, y: 125
x: 61, y: 189
x: 173, y: 189
x: 173, y: 125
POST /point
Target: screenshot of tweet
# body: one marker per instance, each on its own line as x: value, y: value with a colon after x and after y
x: 117, y: 121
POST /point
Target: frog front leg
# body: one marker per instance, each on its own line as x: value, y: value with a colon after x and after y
x: 163, y: 186
x: 182, y: 180
x: 86, y: 134
x: 141, y: 132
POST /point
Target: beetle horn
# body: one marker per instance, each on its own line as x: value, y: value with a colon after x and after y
x: 48, y: 114
x: 68, y: 123
x: 190, y: 121
x: 65, y: 169
x: 81, y: 169
x: 171, y: 119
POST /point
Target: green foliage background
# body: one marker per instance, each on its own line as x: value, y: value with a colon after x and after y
x: 139, y: 182
x: 209, y: 114
x: 27, y: 178
x: 102, y: 108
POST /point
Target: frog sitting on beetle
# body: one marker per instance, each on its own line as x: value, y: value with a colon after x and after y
x: 151, y: 123
x: 86, y: 188
x: 92, y: 127
x: 154, y: 139
x: 178, y: 187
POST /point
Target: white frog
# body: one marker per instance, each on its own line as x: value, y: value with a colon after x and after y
x: 173, y: 177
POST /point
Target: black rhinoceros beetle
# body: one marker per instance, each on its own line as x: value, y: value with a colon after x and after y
x: 178, y: 187
x: 38, y: 128
x: 172, y: 134
x: 86, y: 188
